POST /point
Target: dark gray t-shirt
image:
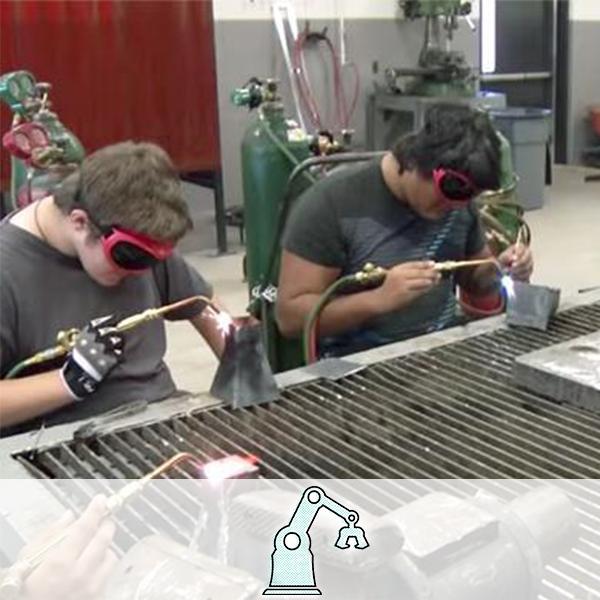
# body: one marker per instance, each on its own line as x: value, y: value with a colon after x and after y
x: 42, y: 291
x: 350, y: 218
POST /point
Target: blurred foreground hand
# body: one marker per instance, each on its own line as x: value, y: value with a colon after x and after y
x: 79, y: 567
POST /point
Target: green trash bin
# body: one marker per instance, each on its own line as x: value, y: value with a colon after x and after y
x: 528, y: 130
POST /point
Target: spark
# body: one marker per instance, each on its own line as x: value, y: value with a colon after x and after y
x: 224, y: 321
x: 509, y: 285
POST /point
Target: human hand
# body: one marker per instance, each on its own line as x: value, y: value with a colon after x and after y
x: 79, y: 567
x: 404, y: 283
x: 518, y: 261
x: 98, y: 349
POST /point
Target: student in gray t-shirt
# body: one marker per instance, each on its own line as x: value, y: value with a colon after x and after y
x: 102, y: 246
x: 412, y: 207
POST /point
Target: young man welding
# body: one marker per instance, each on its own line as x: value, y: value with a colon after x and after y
x: 404, y: 212
x: 98, y: 250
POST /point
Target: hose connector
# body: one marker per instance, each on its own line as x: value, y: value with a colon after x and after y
x: 370, y: 273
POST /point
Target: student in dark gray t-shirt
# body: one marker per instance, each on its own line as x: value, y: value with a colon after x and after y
x: 412, y: 207
x: 103, y: 245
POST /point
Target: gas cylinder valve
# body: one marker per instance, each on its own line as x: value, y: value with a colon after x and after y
x: 256, y: 92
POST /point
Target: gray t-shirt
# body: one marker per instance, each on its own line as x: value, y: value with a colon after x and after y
x: 350, y: 218
x: 42, y: 291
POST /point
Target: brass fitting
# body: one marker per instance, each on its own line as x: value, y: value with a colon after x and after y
x: 371, y: 274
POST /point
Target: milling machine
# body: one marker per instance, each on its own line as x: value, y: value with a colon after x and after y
x: 441, y: 71
x: 399, y: 106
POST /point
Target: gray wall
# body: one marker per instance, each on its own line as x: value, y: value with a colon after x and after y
x: 250, y: 47
x: 584, y: 86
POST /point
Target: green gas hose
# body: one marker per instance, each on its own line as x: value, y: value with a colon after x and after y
x: 370, y: 274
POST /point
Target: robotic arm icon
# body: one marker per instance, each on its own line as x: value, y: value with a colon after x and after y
x: 292, y: 571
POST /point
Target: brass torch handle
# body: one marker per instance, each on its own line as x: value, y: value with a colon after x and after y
x: 66, y: 339
x: 453, y: 265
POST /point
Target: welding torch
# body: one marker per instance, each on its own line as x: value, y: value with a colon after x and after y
x: 66, y: 339
x: 12, y: 583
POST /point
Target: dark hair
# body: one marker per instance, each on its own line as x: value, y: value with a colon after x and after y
x: 456, y: 137
x: 131, y: 185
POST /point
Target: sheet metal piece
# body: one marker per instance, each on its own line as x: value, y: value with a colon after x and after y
x: 244, y: 377
x: 531, y: 305
x: 567, y: 372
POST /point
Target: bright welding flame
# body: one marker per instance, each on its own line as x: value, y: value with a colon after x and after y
x: 509, y: 285
x: 230, y: 467
x: 224, y: 321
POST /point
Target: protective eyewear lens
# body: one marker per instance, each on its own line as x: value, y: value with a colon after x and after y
x: 454, y: 186
x: 130, y: 257
x: 130, y: 250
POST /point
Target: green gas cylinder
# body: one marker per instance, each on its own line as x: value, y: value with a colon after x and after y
x: 271, y: 147
x: 28, y: 100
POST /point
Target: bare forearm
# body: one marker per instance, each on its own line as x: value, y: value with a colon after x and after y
x: 24, y: 399
x: 342, y: 314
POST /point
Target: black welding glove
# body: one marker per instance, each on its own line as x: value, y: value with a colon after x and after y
x: 98, y: 349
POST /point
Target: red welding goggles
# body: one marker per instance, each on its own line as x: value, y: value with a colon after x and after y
x: 453, y: 188
x: 129, y: 250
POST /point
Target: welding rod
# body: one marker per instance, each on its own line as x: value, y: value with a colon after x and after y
x: 519, y: 237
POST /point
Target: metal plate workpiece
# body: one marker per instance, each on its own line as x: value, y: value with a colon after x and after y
x: 531, y: 305
x: 567, y: 372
